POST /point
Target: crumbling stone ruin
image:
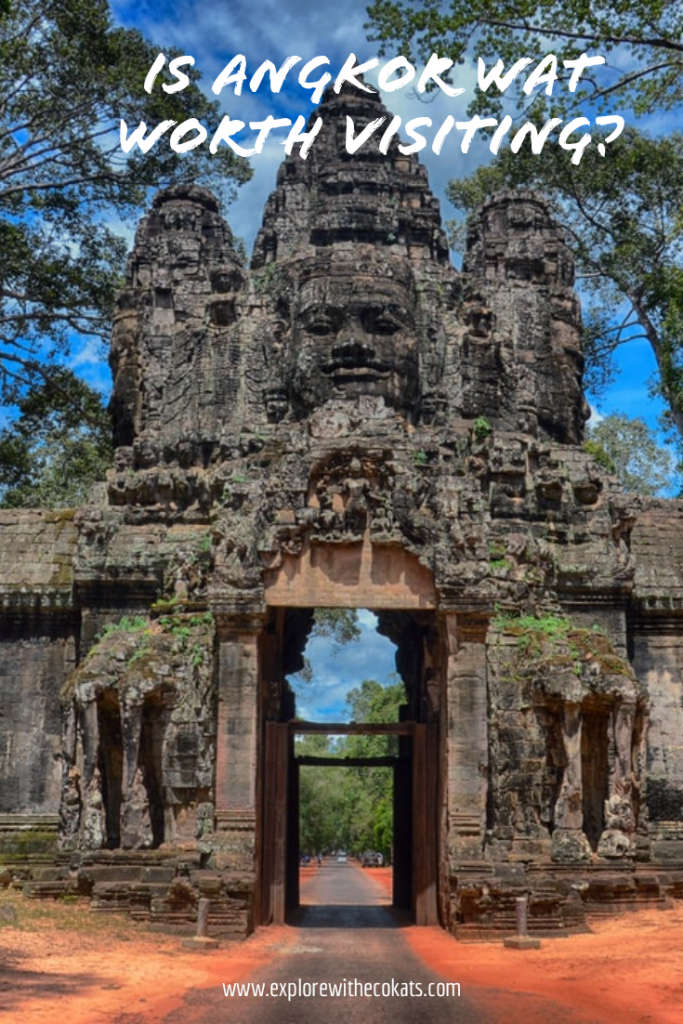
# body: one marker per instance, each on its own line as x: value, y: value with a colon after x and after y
x: 350, y: 422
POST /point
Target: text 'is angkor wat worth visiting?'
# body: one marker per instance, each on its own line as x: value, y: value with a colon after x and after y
x: 350, y: 422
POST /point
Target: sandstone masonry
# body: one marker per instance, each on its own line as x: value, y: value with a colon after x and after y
x: 349, y: 422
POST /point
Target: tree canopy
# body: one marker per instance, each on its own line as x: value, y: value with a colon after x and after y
x: 643, y: 40
x: 627, y: 448
x: 624, y: 217
x: 624, y: 210
x: 340, y: 625
x: 58, y: 446
x: 351, y: 808
x: 68, y: 75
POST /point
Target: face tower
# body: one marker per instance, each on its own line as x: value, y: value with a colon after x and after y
x: 350, y: 422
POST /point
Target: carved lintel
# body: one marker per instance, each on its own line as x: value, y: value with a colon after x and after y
x: 232, y: 624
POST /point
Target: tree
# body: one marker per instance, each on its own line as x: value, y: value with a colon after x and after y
x: 373, y: 786
x: 58, y: 447
x: 643, y: 40
x: 624, y: 212
x: 351, y: 807
x: 340, y: 625
x: 337, y: 624
x: 67, y: 77
x: 628, y: 449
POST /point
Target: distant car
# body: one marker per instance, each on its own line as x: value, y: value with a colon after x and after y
x: 341, y: 858
x: 370, y: 859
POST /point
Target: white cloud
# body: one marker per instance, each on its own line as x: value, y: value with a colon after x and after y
x: 271, y: 30
x: 338, y: 671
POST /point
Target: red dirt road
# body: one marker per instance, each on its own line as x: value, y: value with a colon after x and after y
x: 65, y: 963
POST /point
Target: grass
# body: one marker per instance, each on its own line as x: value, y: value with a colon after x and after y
x: 69, y: 914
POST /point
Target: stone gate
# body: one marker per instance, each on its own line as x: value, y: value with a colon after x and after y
x: 350, y: 422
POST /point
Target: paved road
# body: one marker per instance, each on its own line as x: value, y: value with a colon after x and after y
x: 345, y: 931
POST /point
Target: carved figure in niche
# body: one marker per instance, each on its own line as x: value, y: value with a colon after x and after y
x: 356, y: 511
x: 353, y: 333
x: 189, y: 578
x: 383, y: 522
x: 433, y: 408
x: 618, y: 839
x: 329, y: 526
x: 94, y: 829
x: 70, y: 810
x: 136, y: 827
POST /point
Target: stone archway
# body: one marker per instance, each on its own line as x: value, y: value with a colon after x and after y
x: 401, y: 592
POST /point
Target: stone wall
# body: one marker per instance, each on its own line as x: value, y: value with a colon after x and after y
x: 349, y: 422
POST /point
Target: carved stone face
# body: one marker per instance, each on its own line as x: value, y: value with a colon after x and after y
x: 353, y: 334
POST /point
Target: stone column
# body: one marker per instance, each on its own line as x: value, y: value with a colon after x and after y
x: 93, y: 823
x: 467, y: 737
x: 569, y: 844
x: 136, y: 829
x: 237, y: 740
x: 618, y: 837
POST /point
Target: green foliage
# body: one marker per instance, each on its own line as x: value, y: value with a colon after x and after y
x: 134, y: 624
x: 351, y: 807
x: 644, y: 39
x: 481, y: 429
x: 182, y: 627
x: 624, y: 212
x: 557, y: 641
x: 340, y: 625
x: 628, y: 448
x: 58, y: 447
x: 550, y: 626
x: 337, y: 624
x: 624, y: 216
x: 600, y: 454
x: 420, y: 457
x: 68, y: 76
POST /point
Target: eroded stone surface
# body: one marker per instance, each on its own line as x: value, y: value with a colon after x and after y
x: 350, y: 422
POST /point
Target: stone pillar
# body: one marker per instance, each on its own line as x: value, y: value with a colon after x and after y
x: 93, y: 824
x: 618, y: 837
x: 569, y: 843
x: 237, y: 740
x: 658, y: 664
x: 136, y: 829
x: 467, y: 738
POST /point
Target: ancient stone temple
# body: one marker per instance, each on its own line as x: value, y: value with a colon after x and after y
x: 350, y: 422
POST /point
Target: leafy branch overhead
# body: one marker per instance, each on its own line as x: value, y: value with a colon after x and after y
x: 642, y: 41
x: 339, y: 625
x: 624, y: 216
x: 67, y: 77
x: 624, y: 211
x: 628, y: 449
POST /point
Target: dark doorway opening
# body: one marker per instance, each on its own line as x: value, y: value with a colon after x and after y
x: 415, y: 851
x: 352, y: 808
x: 413, y: 762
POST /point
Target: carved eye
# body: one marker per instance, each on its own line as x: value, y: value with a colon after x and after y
x: 320, y: 327
x: 383, y: 324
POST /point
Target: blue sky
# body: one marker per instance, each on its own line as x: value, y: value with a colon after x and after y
x: 272, y: 30
x: 336, y: 671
